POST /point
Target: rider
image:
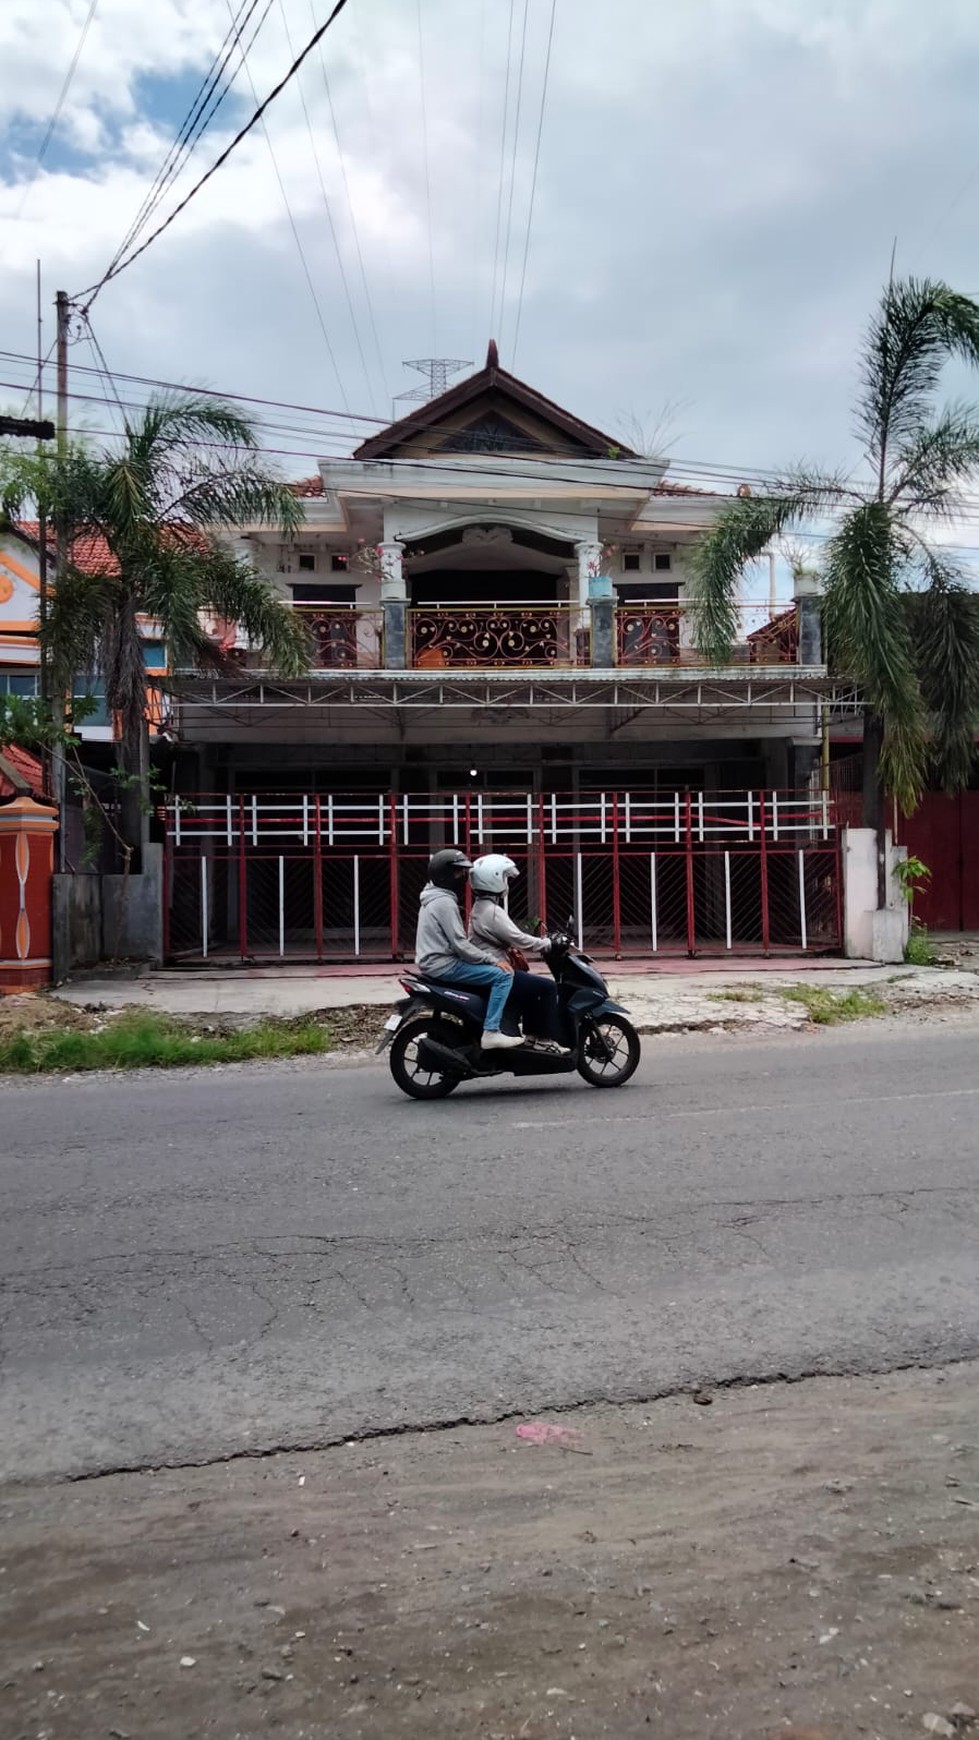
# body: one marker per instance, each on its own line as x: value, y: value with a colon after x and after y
x: 492, y: 928
x: 443, y: 951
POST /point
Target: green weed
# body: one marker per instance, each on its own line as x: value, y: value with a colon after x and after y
x: 140, y: 1039
x: 827, y: 1008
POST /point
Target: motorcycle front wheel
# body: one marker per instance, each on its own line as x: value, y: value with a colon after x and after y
x: 609, y: 1052
x: 408, y: 1069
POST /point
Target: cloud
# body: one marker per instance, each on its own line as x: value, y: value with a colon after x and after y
x: 719, y: 188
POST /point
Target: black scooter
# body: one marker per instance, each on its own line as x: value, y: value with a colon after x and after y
x: 435, y: 1032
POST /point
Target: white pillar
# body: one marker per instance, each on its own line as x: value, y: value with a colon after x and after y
x: 393, y: 590
x: 589, y: 567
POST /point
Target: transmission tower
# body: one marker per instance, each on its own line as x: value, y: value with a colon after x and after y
x: 437, y: 370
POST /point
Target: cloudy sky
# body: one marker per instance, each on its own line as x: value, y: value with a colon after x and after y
x: 720, y: 184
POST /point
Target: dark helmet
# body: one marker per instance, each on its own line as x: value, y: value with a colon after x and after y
x: 449, y: 868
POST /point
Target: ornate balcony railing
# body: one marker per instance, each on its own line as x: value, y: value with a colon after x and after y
x: 344, y: 638
x: 537, y: 637
x: 665, y: 634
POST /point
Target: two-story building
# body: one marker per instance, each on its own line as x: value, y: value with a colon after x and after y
x: 505, y: 655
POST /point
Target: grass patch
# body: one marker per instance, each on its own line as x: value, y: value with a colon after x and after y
x: 737, y: 994
x: 920, y: 951
x: 827, y: 1008
x: 144, y: 1039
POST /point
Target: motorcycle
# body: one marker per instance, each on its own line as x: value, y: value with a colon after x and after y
x: 435, y: 1032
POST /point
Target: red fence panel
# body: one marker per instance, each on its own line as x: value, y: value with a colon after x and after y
x: 336, y: 877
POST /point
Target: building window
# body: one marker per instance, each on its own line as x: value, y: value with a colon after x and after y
x: 662, y: 562
x: 154, y: 655
x: 321, y: 594
x: 631, y: 561
x: 23, y: 683
x: 306, y: 564
x: 648, y: 592
x: 339, y: 561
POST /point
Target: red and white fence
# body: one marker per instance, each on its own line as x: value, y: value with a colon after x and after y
x: 329, y: 876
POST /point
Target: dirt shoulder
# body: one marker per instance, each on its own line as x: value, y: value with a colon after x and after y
x: 801, y: 1554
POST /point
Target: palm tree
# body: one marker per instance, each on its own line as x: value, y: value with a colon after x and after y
x: 187, y: 472
x: 898, y: 618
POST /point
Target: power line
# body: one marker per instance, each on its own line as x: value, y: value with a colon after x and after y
x: 499, y: 189
x: 513, y: 163
x: 201, y: 113
x: 329, y: 212
x: 533, y: 183
x: 317, y: 305
x: 428, y: 180
x: 219, y: 162
x: 58, y: 107
x: 350, y: 206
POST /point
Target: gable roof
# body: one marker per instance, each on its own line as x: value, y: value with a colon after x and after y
x: 503, y: 389
x: 20, y: 773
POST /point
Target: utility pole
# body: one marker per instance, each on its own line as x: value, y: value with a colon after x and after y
x: 58, y: 772
x: 42, y: 519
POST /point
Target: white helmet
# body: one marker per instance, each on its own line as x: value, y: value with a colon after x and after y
x: 491, y: 874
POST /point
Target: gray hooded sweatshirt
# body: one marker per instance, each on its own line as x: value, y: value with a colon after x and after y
x: 441, y: 940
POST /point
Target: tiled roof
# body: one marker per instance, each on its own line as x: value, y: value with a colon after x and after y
x: 90, y: 553
x: 27, y: 766
x: 307, y: 486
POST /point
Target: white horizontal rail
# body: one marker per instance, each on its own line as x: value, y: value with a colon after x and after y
x: 602, y: 819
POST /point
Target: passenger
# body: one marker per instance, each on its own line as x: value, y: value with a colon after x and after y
x: 492, y: 929
x: 443, y: 951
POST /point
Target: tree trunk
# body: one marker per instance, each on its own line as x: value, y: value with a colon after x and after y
x: 874, y: 800
x: 132, y: 759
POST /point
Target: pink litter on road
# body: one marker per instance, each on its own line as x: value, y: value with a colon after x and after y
x: 542, y: 1432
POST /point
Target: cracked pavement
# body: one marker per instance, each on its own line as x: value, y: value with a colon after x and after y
x: 200, y: 1265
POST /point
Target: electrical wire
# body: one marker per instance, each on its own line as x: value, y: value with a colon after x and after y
x: 314, y: 296
x: 210, y: 95
x: 533, y: 182
x: 513, y: 164
x: 341, y: 158
x: 499, y: 190
x: 428, y: 181
x: 220, y: 161
x: 58, y: 107
x: 329, y: 213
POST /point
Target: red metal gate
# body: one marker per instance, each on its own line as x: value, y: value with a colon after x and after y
x: 944, y: 834
x: 330, y: 877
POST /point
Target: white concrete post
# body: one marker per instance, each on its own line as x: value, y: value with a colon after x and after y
x: 589, y: 556
x: 393, y: 589
x: 869, y: 933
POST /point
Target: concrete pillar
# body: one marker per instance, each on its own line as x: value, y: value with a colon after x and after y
x: 589, y: 554
x: 395, y: 634
x: 807, y: 599
x: 27, y: 833
x: 602, y: 633
x: 393, y: 587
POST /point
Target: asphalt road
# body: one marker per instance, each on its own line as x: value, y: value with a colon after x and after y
x: 282, y: 1256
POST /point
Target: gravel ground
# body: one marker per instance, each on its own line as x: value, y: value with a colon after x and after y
x: 799, y: 1557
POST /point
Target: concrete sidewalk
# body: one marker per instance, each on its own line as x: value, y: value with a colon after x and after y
x: 657, y: 998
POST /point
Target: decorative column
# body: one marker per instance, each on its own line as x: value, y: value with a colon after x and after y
x: 27, y: 833
x: 589, y: 556
x: 394, y: 601
x: 807, y: 603
x: 595, y: 595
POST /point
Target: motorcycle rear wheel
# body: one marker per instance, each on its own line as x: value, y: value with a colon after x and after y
x: 407, y: 1069
x: 609, y: 1052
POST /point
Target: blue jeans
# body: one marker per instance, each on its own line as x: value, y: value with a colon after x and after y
x: 500, y: 985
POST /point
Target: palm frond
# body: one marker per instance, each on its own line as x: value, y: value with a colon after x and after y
x: 931, y: 466
x: 868, y: 639
x: 919, y: 325
x: 738, y: 536
x: 172, y: 423
x: 944, y: 627
x: 238, y: 592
